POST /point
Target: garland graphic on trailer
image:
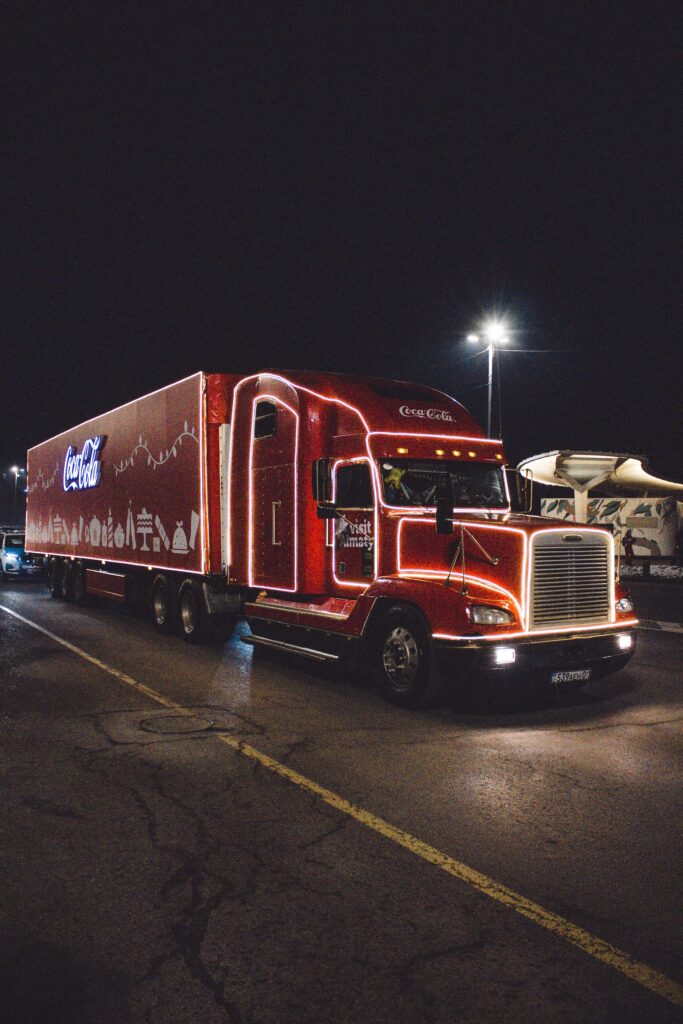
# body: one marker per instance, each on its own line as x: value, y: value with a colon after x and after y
x: 41, y: 479
x: 142, y: 446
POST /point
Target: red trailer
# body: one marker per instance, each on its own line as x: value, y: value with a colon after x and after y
x: 338, y: 514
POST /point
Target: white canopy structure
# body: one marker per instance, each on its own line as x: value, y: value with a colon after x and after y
x: 582, y: 471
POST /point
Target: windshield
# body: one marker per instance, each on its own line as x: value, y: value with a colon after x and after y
x: 421, y: 482
x: 16, y: 541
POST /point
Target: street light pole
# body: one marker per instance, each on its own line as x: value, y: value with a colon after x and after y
x: 16, y: 470
x: 493, y: 333
x: 488, y: 421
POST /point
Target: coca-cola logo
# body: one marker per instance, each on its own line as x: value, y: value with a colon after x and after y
x: 426, y: 414
x: 83, y: 469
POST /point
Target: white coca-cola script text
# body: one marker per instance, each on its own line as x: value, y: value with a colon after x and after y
x: 426, y: 414
x: 83, y: 469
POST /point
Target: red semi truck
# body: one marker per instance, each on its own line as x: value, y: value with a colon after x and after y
x: 338, y: 514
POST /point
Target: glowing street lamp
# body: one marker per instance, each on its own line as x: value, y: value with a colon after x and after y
x: 493, y: 333
x: 17, y: 470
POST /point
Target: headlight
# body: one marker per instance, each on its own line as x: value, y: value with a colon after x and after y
x: 625, y: 604
x: 485, y: 615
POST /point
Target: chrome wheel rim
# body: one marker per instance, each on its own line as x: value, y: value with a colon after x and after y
x: 188, y: 611
x: 401, y: 657
x: 160, y: 606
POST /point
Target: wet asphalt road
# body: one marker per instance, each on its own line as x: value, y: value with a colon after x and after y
x: 152, y: 873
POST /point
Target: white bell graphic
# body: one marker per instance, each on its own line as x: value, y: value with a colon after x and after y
x: 180, y: 540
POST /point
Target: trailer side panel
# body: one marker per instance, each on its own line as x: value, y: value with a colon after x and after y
x: 134, y: 496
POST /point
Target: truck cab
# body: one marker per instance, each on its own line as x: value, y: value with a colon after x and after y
x: 376, y: 513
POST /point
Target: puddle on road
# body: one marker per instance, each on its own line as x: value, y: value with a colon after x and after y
x: 175, y: 724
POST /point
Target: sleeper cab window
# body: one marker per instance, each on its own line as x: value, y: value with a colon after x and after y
x: 265, y: 420
x: 354, y: 486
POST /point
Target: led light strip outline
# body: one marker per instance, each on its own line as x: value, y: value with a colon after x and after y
x: 118, y: 408
x: 202, y: 489
x: 545, y: 531
x: 414, y: 572
x: 596, y: 627
x: 295, y: 388
x: 526, y: 573
x: 261, y: 397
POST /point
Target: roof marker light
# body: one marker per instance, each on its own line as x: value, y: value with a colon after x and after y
x: 456, y: 452
x: 401, y: 451
x: 439, y: 451
x: 472, y: 455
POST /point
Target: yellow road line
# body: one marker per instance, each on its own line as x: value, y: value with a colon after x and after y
x: 596, y: 947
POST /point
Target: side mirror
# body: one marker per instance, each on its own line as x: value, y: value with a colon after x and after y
x: 444, y: 516
x: 322, y: 481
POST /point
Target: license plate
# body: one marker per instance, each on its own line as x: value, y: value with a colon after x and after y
x: 571, y: 676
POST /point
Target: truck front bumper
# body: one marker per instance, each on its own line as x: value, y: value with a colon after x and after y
x: 561, y: 658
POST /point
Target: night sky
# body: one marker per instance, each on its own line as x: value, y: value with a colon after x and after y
x: 346, y: 186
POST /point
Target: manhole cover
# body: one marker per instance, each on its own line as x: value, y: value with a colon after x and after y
x: 176, y: 724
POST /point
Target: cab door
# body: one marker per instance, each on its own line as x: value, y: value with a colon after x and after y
x: 273, y: 513
x: 354, y: 526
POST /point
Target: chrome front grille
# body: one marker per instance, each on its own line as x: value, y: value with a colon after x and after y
x: 570, y: 579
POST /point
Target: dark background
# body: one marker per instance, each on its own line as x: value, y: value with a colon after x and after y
x: 346, y: 186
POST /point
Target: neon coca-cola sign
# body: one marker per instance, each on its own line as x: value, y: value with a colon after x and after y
x: 82, y: 469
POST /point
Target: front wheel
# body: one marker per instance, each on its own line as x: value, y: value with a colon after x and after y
x: 403, y: 665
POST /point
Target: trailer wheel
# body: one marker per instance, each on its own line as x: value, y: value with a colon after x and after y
x: 196, y: 625
x: 54, y: 578
x: 163, y: 604
x: 78, y: 591
x: 66, y: 582
x: 403, y: 665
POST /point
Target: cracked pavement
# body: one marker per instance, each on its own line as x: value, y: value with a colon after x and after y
x: 152, y: 874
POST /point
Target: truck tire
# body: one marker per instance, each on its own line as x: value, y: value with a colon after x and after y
x: 66, y: 582
x: 164, y: 608
x: 402, y: 661
x: 54, y: 578
x: 196, y: 625
x: 79, y: 593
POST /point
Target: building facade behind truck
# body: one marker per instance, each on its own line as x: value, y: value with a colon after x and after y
x: 336, y: 513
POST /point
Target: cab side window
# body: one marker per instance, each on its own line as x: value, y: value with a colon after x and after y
x: 265, y: 420
x: 354, y: 486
